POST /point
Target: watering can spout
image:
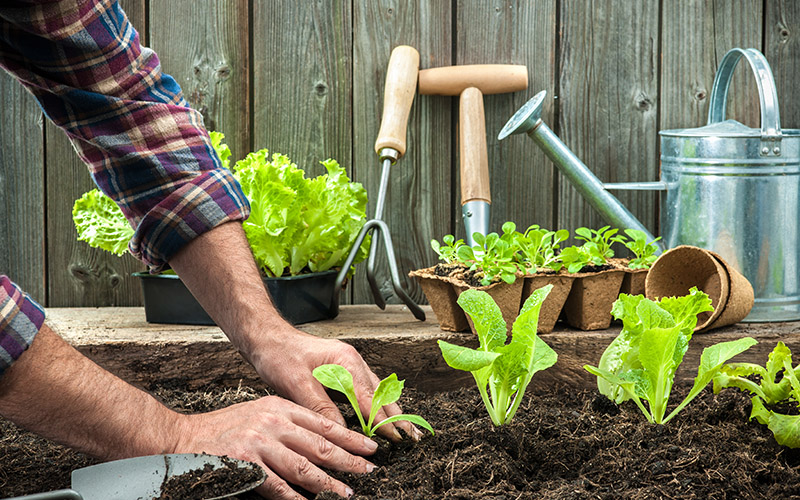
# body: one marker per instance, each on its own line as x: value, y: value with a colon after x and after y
x: 528, y: 120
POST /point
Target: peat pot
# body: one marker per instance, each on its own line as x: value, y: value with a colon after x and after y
x: 300, y: 299
x: 729, y: 188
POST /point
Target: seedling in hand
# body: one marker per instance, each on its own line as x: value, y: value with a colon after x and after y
x: 337, y: 377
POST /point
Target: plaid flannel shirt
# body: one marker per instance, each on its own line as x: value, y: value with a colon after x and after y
x: 145, y: 147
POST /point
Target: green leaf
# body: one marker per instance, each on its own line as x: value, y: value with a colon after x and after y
x: 414, y: 419
x: 656, y: 354
x: 337, y: 378
x: 464, y: 358
x: 387, y: 392
x: 486, y: 316
x: 100, y: 223
x: 786, y: 429
x: 711, y: 360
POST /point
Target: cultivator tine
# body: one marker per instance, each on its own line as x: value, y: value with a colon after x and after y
x: 382, y: 231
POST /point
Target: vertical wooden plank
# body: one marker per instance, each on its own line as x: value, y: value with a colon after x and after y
x: 695, y: 36
x: 22, y: 200
x: 79, y: 275
x: 782, y: 49
x: 204, y: 46
x: 302, y: 81
x: 512, y: 32
x: 608, y: 100
x: 419, y: 199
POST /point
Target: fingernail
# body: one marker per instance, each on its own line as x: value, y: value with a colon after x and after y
x: 370, y: 467
x: 348, y: 491
x: 396, y: 434
x: 370, y: 444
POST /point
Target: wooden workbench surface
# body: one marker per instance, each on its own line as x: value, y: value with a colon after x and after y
x: 120, y: 339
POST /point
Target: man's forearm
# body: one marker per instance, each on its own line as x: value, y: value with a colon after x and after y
x: 219, y: 269
x: 55, y: 391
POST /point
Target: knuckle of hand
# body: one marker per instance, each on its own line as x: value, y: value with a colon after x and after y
x: 303, y: 468
x: 276, y: 488
x: 325, y: 449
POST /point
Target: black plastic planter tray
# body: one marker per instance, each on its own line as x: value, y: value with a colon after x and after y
x: 299, y: 299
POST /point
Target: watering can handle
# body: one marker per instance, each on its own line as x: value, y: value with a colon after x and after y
x: 770, y: 115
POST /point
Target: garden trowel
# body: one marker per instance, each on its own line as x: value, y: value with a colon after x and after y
x: 140, y: 478
x: 401, y: 85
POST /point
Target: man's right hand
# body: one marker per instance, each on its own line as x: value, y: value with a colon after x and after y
x: 290, y: 442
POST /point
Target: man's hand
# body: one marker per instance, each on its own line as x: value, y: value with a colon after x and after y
x: 286, y: 365
x: 290, y: 442
x: 218, y: 268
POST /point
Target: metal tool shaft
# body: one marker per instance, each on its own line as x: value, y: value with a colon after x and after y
x: 584, y: 180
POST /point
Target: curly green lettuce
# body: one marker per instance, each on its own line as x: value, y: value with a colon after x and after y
x: 100, y: 222
x: 298, y: 224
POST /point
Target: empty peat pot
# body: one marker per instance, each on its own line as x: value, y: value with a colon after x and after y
x: 678, y: 270
x: 299, y: 299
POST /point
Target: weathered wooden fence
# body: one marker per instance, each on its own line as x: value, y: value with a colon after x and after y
x: 306, y: 77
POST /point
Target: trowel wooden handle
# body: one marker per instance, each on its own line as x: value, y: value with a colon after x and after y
x: 488, y: 78
x: 398, y: 94
x: 472, y: 147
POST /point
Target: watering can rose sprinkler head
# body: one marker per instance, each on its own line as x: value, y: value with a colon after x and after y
x: 528, y: 120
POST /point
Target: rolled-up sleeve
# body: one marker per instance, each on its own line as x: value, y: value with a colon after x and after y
x: 20, y: 320
x: 145, y: 147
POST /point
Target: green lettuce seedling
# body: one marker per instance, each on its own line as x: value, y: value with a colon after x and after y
x: 644, y: 253
x: 501, y: 370
x: 777, y: 383
x: 538, y: 248
x: 640, y: 364
x: 448, y: 249
x: 494, y: 255
x: 337, y: 377
x: 597, y: 243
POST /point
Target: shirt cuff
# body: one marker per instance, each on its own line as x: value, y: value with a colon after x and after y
x: 20, y: 320
x: 209, y: 199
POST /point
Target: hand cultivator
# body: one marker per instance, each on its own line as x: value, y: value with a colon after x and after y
x: 401, y: 84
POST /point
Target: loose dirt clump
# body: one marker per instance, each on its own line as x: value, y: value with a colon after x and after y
x: 208, y: 482
x: 563, y: 443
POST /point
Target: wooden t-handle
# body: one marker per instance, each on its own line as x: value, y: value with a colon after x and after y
x: 398, y: 94
x: 472, y: 147
x: 488, y: 78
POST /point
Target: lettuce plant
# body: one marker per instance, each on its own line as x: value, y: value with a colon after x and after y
x: 575, y: 258
x: 644, y: 253
x: 640, y: 364
x: 494, y: 255
x: 777, y: 383
x: 297, y: 224
x: 100, y: 223
x: 448, y: 249
x: 501, y: 370
x: 337, y: 377
x: 597, y: 243
x: 538, y: 247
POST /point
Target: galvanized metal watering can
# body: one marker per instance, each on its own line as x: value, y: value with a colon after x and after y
x: 727, y: 188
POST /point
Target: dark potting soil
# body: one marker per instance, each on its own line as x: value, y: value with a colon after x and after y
x: 563, y: 443
x: 460, y: 272
x: 209, y: 482
x: 591, y: 268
